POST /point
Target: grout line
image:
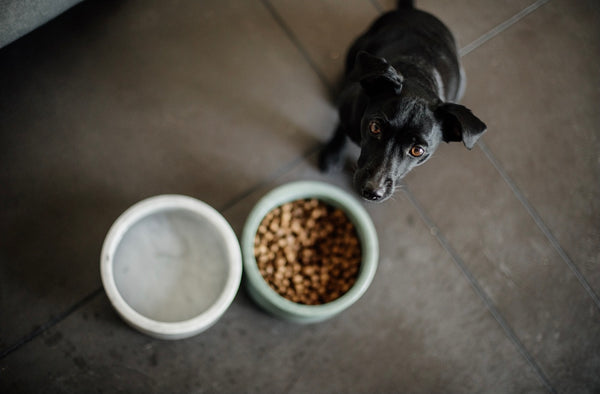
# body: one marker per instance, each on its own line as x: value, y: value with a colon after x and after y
x: 282, y: 170
x: 509, y: 332
x: 491, y: 33
x: 50, y: 323
x: 272, y: 177
x: 509, y: 181
x: 377, y: 6
x: 500, y: 28
x: 539, y: 221
x: 294, y: 39
x: 62, y: 316
x: 459, y: 262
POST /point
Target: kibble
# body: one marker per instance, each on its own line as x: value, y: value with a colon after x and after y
x: 308, y: 251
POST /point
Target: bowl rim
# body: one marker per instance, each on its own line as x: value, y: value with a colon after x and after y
x: 335, y: 197
x: 145, y: 208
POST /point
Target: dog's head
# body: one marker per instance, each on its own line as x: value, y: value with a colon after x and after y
x: 401, y: 127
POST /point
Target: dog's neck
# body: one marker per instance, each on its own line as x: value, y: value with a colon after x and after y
x: 421, y: 77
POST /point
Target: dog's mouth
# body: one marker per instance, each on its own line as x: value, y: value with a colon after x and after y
x: 374, y: 189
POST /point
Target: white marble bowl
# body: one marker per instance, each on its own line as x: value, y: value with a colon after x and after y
x: 171, y: 266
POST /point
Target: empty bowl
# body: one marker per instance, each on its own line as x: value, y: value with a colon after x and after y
x: 171, y: 266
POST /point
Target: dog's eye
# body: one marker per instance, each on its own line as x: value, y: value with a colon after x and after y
x: 374, y: 127
x: 417, y: 151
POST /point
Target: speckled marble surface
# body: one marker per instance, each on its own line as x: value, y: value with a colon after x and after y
x: 171, y: 266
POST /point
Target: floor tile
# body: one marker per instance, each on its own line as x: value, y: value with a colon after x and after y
x: 326, y: 29
x: 114, y: 102
x: 514, y: 263
x: 117, y: 101
x: 543, y: 104
x: 247, y: 350
x: 409, y: 332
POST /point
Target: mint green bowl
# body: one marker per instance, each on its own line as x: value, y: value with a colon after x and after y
x: 281, y: 307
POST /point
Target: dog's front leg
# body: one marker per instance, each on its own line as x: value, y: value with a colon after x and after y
x: 330, y: 157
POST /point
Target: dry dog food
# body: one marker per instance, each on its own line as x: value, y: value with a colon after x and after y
x: 308, y: 251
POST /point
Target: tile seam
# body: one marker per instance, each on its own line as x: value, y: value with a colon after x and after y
x: 378, y: 7
x: 296, y: 42
x: 292, y: 37
x: 494, y: 32
x: 50, y: 323
x: 537, y: 218
x: 481, y: 293
x: 491, y: 33
x: 88, y: 298
x: 509, y: 332
x: 285, y: 168
x: 272, y: 177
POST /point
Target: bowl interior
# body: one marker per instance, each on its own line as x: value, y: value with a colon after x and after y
x: 171, y: 265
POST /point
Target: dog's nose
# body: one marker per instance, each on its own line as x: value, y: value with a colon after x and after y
x: 376, y: 191
x: 373, y: 194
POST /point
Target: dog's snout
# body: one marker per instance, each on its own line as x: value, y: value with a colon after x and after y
x: 373, y: 194
x: 376, y: 192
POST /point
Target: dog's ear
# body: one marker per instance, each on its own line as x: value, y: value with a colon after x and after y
x: 459, y: 124
x: 376, y: 75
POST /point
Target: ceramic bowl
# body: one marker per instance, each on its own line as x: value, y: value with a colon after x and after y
x: 268, y: 298
x: 171, y: 265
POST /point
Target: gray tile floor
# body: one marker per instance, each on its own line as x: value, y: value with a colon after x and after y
x: 490, y: 259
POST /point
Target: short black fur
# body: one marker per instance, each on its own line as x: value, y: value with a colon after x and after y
x: 398, y: 99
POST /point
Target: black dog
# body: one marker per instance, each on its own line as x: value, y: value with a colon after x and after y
x: 402, y: 79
